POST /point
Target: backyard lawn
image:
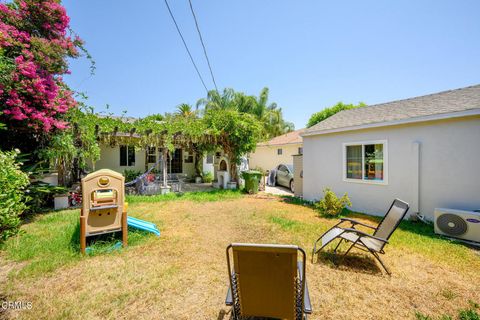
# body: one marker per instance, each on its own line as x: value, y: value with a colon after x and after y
x: 183, y: 274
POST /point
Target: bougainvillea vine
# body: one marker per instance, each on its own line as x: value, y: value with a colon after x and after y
x: 35, y: 43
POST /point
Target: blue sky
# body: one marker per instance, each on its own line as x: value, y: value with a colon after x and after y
x: 311, y: 54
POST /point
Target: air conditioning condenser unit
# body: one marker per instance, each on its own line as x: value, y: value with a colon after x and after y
x: 458, y: 224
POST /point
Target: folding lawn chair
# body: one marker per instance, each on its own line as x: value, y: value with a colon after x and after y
x: 373, y: 243
x: 267, y: 280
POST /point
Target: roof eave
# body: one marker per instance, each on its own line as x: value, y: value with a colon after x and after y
x: 441, y: 116
x: 277, y: 144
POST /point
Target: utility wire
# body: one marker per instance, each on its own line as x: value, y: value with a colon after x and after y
x: 186, y: 47
x: 203, y: 44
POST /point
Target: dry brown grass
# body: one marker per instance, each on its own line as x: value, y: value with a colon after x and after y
x: 183, y: 274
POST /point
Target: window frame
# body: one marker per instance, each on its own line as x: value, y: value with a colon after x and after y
x: 151, y: 154
x: 279, y: 151
x: 363, y: 143
x: 128, y: 155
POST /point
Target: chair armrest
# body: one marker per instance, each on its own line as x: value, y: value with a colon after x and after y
x: 229, y: 299
x: 354, y: 222
x: 307, y: 306
x: 364, y: 234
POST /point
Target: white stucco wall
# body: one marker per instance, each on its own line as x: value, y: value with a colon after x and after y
x: 298, y: 175
x: 208, y: 167
x: 447, y: 161
x: 266, y: 157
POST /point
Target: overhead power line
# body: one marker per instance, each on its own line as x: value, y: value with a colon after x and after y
x: 203, y: 44
x: 185, y: 44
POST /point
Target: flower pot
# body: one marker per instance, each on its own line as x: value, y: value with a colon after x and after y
x: 60, y: 201
x: 198, y: 179
x: 232, y: 185
x: 165, y: 190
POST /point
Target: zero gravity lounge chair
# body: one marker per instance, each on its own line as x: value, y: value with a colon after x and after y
x: 267, y: 281
x: 373, y: 243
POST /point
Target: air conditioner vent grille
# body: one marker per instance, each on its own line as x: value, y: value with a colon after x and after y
x: 452, y: 224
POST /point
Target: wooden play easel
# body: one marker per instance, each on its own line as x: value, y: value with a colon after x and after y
x: 103, y: 208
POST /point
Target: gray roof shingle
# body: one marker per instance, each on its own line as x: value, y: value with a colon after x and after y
x: 433, y: 104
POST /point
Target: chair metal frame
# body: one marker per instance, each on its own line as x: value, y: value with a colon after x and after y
x: 232, y: 296
x: 358, y: 243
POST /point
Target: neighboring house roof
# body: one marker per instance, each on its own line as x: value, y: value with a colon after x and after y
x: 287, y: 138
x: 442, y: 105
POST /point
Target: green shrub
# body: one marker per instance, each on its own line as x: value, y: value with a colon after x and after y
x: 131, y: 174
x: 331, y: 205
x: 40, y: 196
x: 12, y: 199
x: 207, y: 177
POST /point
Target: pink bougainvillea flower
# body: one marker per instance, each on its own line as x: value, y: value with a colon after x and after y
x: 38, y: 48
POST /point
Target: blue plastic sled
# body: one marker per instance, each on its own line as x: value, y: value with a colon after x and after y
x: 143, y: 225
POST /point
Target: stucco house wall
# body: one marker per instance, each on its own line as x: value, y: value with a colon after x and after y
x: 110, y: 159
x: 298, y: 175
x: 266, y: 157
x: 429, y: 164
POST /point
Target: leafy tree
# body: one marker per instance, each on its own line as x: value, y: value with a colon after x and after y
x: 69, y: 151
x: 235, y: 132
x: 328, y: 112
x: 269, y: 114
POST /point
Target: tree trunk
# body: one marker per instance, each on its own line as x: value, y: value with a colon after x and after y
x: 233, y: 167
x: 197, y: 158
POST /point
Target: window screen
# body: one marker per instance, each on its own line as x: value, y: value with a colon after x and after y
x: 365, y: 162
x: 354, y: 162
x: 373, y: 155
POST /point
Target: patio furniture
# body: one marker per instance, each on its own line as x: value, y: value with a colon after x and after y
x: 267, y: 280
x: 373, y: 243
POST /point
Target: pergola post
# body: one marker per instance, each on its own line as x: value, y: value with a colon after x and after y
x: 164, y: 166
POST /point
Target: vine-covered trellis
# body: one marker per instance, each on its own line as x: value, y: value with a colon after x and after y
x: 231, y: 131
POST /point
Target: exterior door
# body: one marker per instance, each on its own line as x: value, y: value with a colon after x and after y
x: 176, y: 163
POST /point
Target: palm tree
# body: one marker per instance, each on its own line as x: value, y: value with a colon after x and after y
x: 215, y: 100
x: 185, y: 110
x: 270, y: 115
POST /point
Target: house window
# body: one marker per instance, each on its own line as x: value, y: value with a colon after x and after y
x: 209, y: 159
x: 188, y: 157
x: 300, y: 150
x: 127, y: 156
x: 151, y: 154
x: 366, y: 161
x: 279, y: 152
